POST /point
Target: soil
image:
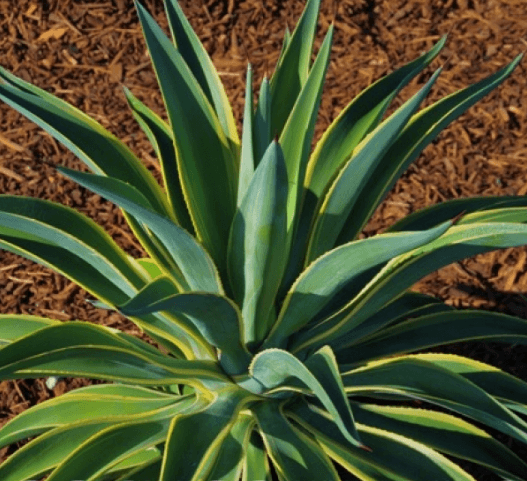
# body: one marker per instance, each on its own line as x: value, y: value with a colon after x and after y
x: 85, y: 51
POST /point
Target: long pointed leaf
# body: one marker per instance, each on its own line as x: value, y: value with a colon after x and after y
x: 206, y: 164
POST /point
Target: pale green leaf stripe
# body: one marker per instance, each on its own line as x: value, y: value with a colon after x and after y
x: 297, y: 134
x: 205, y: 430
x: 419, y: 132
x: 330, y: 273
x: 160, y: 136
x: 256, y: 462
x: 101, y: 151
x: 48, y: 450
x: 392, y: 458
x: 291, y: 73
x: 274, y: 369
x: 15, y: 326
x: 217, y: 319
x: 403, y: 271
x: 431, y: 330
x: 417, y: 379
x: 201, y: 66
x: 82, y: 406
x: 359, y: 117
x: 345, y: 190
x: 295, y: 455
x: 148, y: 267
x: 207, y: 166
x: 50, y: 222
x: 258, y: 244
x: 503, y: 386
x: 229, y: 462
x: 247, y: 163
x: 445, y: 433
x: 432, y: 215
x: 110, y: 446
x: 262, y: 122
x: 194, y: 262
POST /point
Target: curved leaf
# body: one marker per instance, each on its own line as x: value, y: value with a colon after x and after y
x: 16, y: 326
x: 275, y: 369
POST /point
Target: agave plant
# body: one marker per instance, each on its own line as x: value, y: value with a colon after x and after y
x: 285, y: 342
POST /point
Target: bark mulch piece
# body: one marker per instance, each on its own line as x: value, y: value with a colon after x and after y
x: 84, y: 52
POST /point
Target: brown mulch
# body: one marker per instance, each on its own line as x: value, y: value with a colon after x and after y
x: 84, y: 51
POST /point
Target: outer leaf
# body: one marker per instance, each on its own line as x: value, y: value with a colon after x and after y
x: 346, y: 189
x: 258, y: 244
x: 445, y: 433
x: 434, y: 214
x: 417, y: 379
x: 262, y: 122
x: 503, y: 386
x: 16, y: 326
x: 297, y: 134
x: 393, y: 457
x: 216, y: 318
x: 432, y: 330
x: 160, y: 136
x: 256, y: 462
x: 129, y: 466
x: 293, y: 68
x: 86, y: 350
x: 275, y: 369
x: 206, y: 164
x: 83, y: 405
x: 195, y: 264
x: 205, y: 429
x: 420, y: 131
x: 329, y: 274
x: 294, y: 455
x: 48, y: 450
x: 101, y: 151
x: 403, y: 271
x: 199, y: 62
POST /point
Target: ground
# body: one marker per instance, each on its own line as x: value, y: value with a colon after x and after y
x: 85, y: 51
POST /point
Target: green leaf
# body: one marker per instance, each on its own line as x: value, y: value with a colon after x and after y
x: 392, y: 458
x: 207, y: 166
x: 422, y: 128
x: 194, y: 262
x: 459, y: 242
x: 257, y: 244
x: 101, y: 151
x: 297, y: 135
x: 295, y: 455
x: 201, y: 66
x: 216, y: 318
x: 278, y: 370
x: 231, y: 453
x: 205, y: 430
x: 262, y: 122
x: 330, y: 273
x: 138, y: 461
x: 291, y: 73
x: 160, y: 136
x: 60, y: 226
x: 16, y: 326
x: 414, y: 378
x: 83, y: 405
x: 433, y: 215
x: 247, y: 164
x: 346, y: 189
x: 432, y: 330
x: 444, y: 433
x: 80, y: 349
x: 256, y: 462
